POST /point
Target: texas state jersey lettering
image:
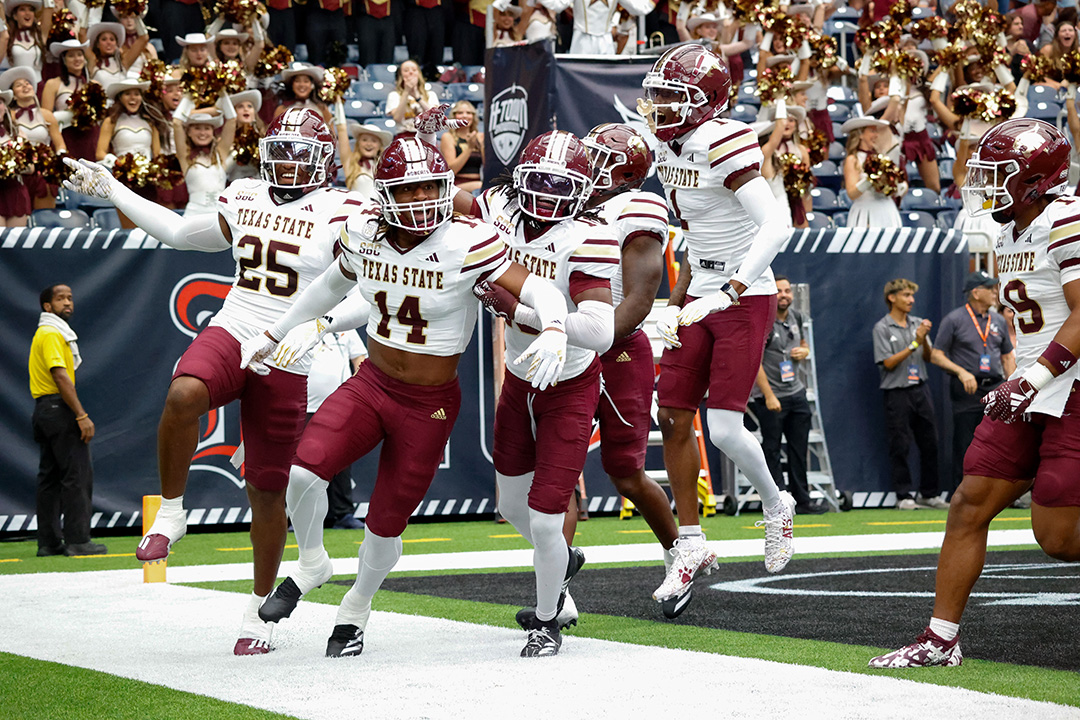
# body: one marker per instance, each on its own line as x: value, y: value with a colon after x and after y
x: 279, y: 250
x: 1033, y: 269
x: 421, y: 299
x: 564, y: 250
x: 631, y: 214
x: 697, y: 175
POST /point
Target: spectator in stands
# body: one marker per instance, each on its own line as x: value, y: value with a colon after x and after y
x: 1015, y: 43
x: 135, y: 28
x: 229, y: 44
x: 781, y: 148
x: 109, y: 59
x: 463, y: 147
x: 502, y: 28
x: 1033, y: 14
x: 14, y: 199
x: 196, y: 52
x: 63, y: 429
x: 468, y: 31
x: 539, y: 19
x: 729, y: 44
x: 901, y: 350
x: 300, y: 88
x: 409, y: 98
x: 243, y: 161
x: 56, y: 95
x: 131, y: 126
x: 869, y: 208
x: 34, y: 123
x: 376, y: 33
x: 183, y: 17
x: 973, y: 345
x: 325, y: 27
x: 425, y: 33
x: 171, y: 95
x: 361, y: 161
x: 1048, y: 31
x: 282, y: 28
x: 27, y: 33
x: 202, y: 156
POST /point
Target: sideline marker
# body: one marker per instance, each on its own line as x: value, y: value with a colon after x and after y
x: 153, y: 571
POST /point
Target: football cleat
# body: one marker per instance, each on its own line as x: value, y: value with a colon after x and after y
x: 673, y: 606
x: 928, y: 650
x: 692, y: 556
x: 573, y: 564
x: 251, y: 646
x: 544, y: 640
x: 285, y: 597
x: 166, y: 531
x: 345, y: 641
x: 254, y: 636
x: 779, y: 534
x: 567, y: 615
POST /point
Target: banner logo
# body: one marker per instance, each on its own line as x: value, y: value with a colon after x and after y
x: 508, y: 120
x: 195, y: 299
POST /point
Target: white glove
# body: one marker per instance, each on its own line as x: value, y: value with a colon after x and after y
x: 804, y: 51
x: 94, y: 15
x: 548, y: 353
x: 780, y: 108
x: 299, y: 341
x: 90, y: 179
x: 1070, y: 93
x: 701, y: 307
x: 339, y: 113
x: 940, y: 82
x: 766, y: 41
x: 865, y: 62
x: 667, y: 325
x: 1003, y: 74
x: 897, y: 87
x: 254, y: 350
x: 864, y: 185
x: 140, y: 27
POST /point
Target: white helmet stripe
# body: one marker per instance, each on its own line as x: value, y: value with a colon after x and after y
x: 558, y: 147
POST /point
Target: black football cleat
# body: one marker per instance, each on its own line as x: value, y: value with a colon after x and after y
x: 281, y: 602
x: 673, y: 606
x: 544, y: 639
x: 565, y: 617
x: 345, y: 641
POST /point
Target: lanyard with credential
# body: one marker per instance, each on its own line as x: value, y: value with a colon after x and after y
x: 983, y: 334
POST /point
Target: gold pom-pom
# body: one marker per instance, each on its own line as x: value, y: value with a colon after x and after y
x: 155, y: 72
x: 246, y: 145
x: 63, y: 27
x: 242, y: 12
x: 774, y: 83
x: 133, y: 171
x: 1069, y: 65
x: 233, y: 76
x: 124, y: 8
x: 204, y: 84
x: 165, y: 172
x: 965, y: 101
x: 901, y: 12
x: 951, y: 55
x: 798, y: 178
x: 1039, y: 67
x: 272, y: 61
x: 996, y: 106
x: 335, y: 84
x: 908, y: 66
x: 824, y: 48
x: 885, y: 176
x: 817, y: 143
x: 88, y: 106
x: 930, y: 28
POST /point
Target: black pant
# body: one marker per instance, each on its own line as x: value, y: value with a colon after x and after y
x: 377, y: 40
x: 469, y: 40
x: 339, y: 494
x: 424, y: 34
x: 909, y: 415
x: 324, y: 28
x: 282, y: 30
x: 178, y: 19
x: 65, y: 481
x: 793, y: 424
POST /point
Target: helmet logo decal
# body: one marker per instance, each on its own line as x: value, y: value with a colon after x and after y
x: 508, y: 122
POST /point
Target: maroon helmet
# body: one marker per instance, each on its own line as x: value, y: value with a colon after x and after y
x: 687, y: 86
x: 1015, y: 164
x: 553, y: 179
x: 620, y: 157
x: 298, y: 151
x: 409, y: 161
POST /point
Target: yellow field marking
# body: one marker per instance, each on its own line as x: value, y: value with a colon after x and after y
x: 632, y: 532
x: 242, y: 549
x: 501, y: 537
x: 939, y: 522
x: 11, y: 560
x: 422, y: 540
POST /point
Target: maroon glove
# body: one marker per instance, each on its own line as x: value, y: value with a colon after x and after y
x: 433, y: 120
x: 496, y: 299
x: 1009, y: 400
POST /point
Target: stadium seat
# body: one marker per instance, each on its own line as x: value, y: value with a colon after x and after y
x: 836, y: 27
x: 744, y: 113
x: 51, y: 217
x: 837, y: 132
x: 1044, y: 110
x: 839, y: 219
x: 914, y: 178
x: 828, y: 175
x: 952, y: 203
x: 401, y: 53
x: 106, y: 219
x: 472, y: 71
x: 843, y: 200
x: 473, y: 92
x: 945, y: 168
x: 839, y: 113
x: 839, y: 93
x: 355, y: 71
x: 837, y: 153
x: 825, y: 200
x: 438, y: 88
x: 352, y: 54
x: 376, y: 91
x: 920, y: 199
x: 918, y: 219
x: 1041, y: 93
x: 747, y: 94
x: 382, y: 73
x: 357, y: 109
x: 300, y: 53
x: 818, y: 221
x: 946, y: 219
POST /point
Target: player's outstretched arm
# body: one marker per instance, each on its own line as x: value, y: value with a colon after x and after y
x: 202, y: 232
x: 774, y: 226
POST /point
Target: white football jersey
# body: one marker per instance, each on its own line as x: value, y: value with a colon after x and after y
x: 572, y: 255
x: 630, y: 214
x: 1033, y: 269
x: 421, y: 299
x: 697, y: 173
x: 279, y: 249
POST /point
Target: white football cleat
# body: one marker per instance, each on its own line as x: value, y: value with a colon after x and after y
x: 928, y: 650
x: 692, y: 556
x: 779, y: 534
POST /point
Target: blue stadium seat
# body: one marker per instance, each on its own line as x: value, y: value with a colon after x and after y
x: 51, y: 217
x: 473, y: 92
x: 825, y: 200
x: 836, y: 27
x: 438, y: 88
x: 952, y: 203
x: 355, y: 71
x: 300, y: 53
x: 918, y: 219
x: 106, y: 219
x: 843, y: 200
x: 382, y: 73
x: 945, y: 168
x: 818, y: 221
x: 748, y: 95
x: 914, y: 178
x: 744, y: 113
x: 376, y: 91
x: 357, y: 109
x: 828, y: 175
x: 1044, y: 110
x: 1041, y: 93
x: 920, y: 199
x: 946, y: 219
x: 837, y: 153
x: 839, y: 219
x: 471, y: 71
x: 839, y: 93
x: 839, y: 113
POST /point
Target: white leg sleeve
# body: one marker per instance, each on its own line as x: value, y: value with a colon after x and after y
x: 379, y: 558
x: 305, y: 499
x: 514, y: 502
x: 726, y: 431
x: 550, y: 557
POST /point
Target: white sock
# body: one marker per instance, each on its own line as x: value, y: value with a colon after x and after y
x: 172, y: 506
x: 514, y: 501
x: 306, y: 502
x: 550, y: 558
x: 690, y: 531
x: 254, y: 603
x: 726, y: 431
x: 944, y: 629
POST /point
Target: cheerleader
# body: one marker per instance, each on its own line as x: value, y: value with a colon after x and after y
x: 232, y: 45
x: 501, y: 28
x: 783, y: 140
x: 869, y: 208
x: 171, y: 94
x: 917, y: 146
x: 35, y: 124
x: 196, y: 50
x: 56, y: 97
x: 300, y: 88
x: 131, y: 126
x: 202, y: 156
x: 15, y: 204
x: 361, y: 161
x: 109, y: 60
x: 409, y: 98
x: 134, y: 28
x: 247, y: 105
x: 26, y: 33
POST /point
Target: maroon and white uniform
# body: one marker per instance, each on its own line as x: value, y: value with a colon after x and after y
x: 1033, y: 268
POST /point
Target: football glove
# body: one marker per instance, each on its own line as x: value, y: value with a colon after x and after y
x: 702, y: 307
x: 667, y: 326
x: 433, y: 120
x: 254, y: 350
x: 1009, y: 400
x: 547, y: 355
x: 90, y: 179
x: 496, y: 299
x: 299, y: 341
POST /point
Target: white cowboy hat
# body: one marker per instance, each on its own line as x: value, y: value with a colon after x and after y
x: 312, y: 71
x: 512, y: 9
x: 10, y: 5
x: 194, y: 39
x: 693, y: 22
x: 252, y: 96
x: 777, y: 59
x: 230, y: 33
x: 97, y: 28
x: 795, y: 112
x: 859, y: 123
x: 384, y: 136
x: 59, y: 48
x: 130, y: 83
x: 6, y: 96
x: 984, y: 86
x: 878, y: 106
x: 204, y: 118
x: 801, y: 85
x: 8, y: 78
x: 800, y: 9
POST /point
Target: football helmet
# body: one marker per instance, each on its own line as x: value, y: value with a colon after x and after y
x: 687, y: 86
x: 409, y: 161
x: 553, y: 178
x: 620, y: 157
x: 1016, y: 163
x: 297, y: 153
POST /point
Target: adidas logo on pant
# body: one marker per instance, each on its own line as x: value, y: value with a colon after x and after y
x: 624, y: 357
x: 439, y: 414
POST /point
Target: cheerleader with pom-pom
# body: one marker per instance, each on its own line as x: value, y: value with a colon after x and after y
x: 870, y: 208
x: 15, y: 204
x: 202, y: 155
x: 36, y: 124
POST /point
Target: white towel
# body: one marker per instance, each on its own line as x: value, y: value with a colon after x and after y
x: 55, y: 321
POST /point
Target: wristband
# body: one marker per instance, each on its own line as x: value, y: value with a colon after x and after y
x: 1003, y: 75
x: 940, y: 82
x: 1058, y: 356
x: 1070, y: 91
x: 864, y: 184
x: 913, y: 346
x: 1038, y: 375
x: 730, y: 292
x: 81, y: 417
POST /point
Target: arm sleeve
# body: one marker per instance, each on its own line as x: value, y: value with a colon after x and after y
x: 324, y: 293
x: 547, y: 303
x: 350, y: 313
x: 592, y: 327
x: 200, y: 232
x: 774, y: 226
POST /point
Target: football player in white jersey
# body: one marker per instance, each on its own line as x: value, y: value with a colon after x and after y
x: 733, y: 228
x: 276, y: 229
x: 1029, y: 437
x: 415, y: 265
x: 542, y: 434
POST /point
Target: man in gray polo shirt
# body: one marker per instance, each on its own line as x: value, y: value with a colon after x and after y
x: 901, y: 350
x: 973, y: 344
x: 779, y: 400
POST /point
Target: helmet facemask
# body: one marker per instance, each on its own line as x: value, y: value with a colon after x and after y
x: 550, y: 193
x: 292, y: 162
x: 603, y: 159
x: 985, y: 187
x: 418, y: 217
x: 677, y: 99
